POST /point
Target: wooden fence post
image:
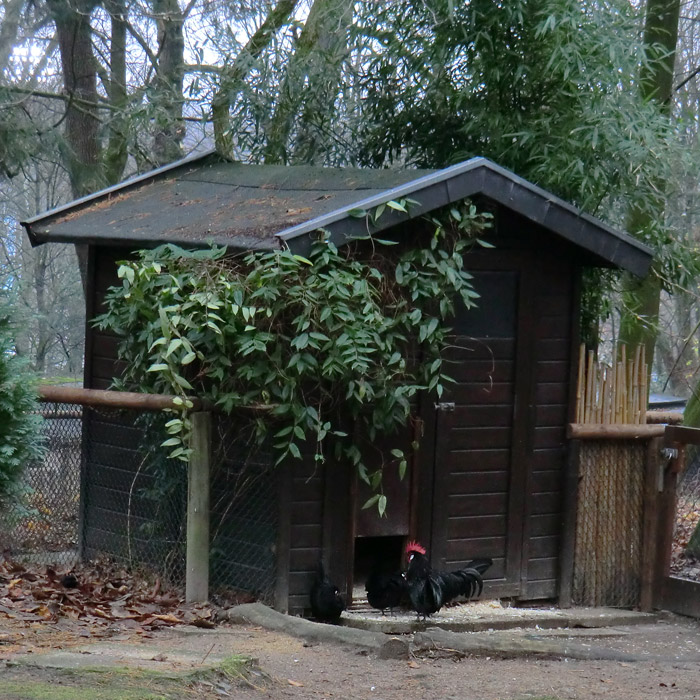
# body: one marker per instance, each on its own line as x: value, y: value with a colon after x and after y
x: 650, y: 525
x: 197, y: 576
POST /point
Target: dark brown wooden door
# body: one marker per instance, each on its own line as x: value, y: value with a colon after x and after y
x: 480, y: 434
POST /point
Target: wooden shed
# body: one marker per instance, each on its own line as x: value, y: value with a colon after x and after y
x: 488, y: 477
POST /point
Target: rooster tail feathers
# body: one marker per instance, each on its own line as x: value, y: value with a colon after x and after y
x: 465, y: 582
x: 481, y: 565
x: 473, y: 583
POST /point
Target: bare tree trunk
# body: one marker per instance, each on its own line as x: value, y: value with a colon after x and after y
x: 640, y: 317
x: 310, y: 80
x: 43, y: 331
x: 9, y: 28
x: 232, y: 76
x: 116, y: 153
x: 72, y: 19
x: 81, y: 149
x: 167, y: 92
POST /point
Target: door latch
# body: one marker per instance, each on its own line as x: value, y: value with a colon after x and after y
x: 445, y: 406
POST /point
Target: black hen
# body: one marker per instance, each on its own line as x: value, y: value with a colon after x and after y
x: 385, y: 590
x: 326, y: 601
x: 429, y: 590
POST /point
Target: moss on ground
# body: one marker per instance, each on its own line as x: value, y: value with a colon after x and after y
x: 31, y: 683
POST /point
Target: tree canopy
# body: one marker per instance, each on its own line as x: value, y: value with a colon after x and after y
x: 552, y: 89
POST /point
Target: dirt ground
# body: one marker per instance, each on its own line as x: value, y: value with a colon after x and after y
x: 39, y: 661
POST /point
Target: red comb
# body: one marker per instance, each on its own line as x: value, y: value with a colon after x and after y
x: 414, y: 546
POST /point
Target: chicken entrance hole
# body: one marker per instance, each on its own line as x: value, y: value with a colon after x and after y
x: 370, y: 552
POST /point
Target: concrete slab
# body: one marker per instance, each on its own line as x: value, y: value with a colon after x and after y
x: 478, y: 617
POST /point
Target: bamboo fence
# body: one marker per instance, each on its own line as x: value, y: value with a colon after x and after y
x: 612, y: 394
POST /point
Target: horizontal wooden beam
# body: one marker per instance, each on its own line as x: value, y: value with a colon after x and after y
x: 132, y: 399
x: 614, y: 431
x: 669, y: 417
x: 683, y: 435
x: 111, y: 399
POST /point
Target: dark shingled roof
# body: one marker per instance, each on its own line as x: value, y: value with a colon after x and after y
x: 207, y: 199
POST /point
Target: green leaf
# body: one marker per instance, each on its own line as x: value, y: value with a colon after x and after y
x: 158, y: 367
x: 396, y: 205
x: 189, y: 357
x: 175, y: 343
x: 370, y: 501
x: 381, y: 505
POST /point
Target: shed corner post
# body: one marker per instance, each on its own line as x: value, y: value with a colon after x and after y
x: 569, y: 518
x: 197, y: 567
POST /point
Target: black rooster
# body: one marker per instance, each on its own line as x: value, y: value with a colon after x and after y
x: 429, y: 590
x: 386, y: 590
x: 326, y: 601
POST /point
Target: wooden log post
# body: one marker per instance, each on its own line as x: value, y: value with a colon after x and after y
x: 197, y: 575
x: 650, y: 524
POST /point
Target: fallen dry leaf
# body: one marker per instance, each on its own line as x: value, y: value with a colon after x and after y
x: 296, y: 684
x: 413, y: 664
x: 168, y: 618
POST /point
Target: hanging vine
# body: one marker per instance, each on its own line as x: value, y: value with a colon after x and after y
x: 310, y: 341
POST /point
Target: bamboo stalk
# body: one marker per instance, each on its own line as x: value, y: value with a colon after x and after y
x: 623, y: 385
x: 580, y: 383
x: 589, y: 388
x: 612, y: 394
x: 606, y: 395
x: 644, y: 391
x: 629, y: 406
x: 637, y: 418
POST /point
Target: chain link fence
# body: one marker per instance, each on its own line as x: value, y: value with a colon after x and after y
x: 685, y: 548
x: 608, y: 554
x: 41, y: 524
x: 134, y: 497
x: 244, y: 514
x: 132, y: 505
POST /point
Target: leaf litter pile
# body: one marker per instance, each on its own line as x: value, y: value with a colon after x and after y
x: 97, y: 599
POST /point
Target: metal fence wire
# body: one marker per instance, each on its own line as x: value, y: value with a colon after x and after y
x: 685, y: 549
x: 244, y: 513
x: 107, y: 488
x: 134, y: 498
x: 41, y: 524
x: 608, y: 554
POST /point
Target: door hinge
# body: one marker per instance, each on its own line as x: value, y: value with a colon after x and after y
x: 445, y: 406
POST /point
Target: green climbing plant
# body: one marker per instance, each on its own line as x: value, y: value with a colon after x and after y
x: 308, y: 342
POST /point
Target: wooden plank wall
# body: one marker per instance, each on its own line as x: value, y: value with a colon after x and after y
x: 552, y: 358
x: 115, y: 511
x: 306, y: 531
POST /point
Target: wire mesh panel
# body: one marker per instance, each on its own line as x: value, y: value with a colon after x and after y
x: 608, y: 555
x: 244, y: 514
x: 685, y: 551
x: 41, y: 524
x: 135, y: 498
x: 107, y: 488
